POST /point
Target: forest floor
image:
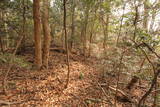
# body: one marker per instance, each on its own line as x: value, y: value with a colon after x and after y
x: 88, y: 87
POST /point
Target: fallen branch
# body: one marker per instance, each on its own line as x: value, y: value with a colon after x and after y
x: 158, y: 90
x: 150, y: 89
x: 79, y: 99
x: 105, y: 94
x: 8, y: 103
x: 121, y: 96
x: 118, y: 90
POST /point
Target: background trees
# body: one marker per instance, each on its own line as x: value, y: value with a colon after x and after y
x: 105, y: 29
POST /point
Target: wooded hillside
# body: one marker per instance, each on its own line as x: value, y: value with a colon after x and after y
x: 80, y: 53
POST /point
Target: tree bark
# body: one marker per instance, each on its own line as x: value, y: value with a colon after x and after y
x: 73, y: 27
x: 46, y: 31
x: 84, y: 31
x: 24, y: 27
x: 146, y: 14
x: 135, y: 22
x: 120, y: 28
x: 1, y: 44
x: 90, y: 40
x: 37, y: 33
x: 66, y: 43
x: 106, y: 32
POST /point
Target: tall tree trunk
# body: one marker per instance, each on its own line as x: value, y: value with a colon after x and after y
x: 22, y: 47
x: 37, y: 33
x: 1, y: 38
x: 84, y: 31
x: 46, y: 31
x: 73, y: 27
x: 66, y: 42
x: 24, y: 27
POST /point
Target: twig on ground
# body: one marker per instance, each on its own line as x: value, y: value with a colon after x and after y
x: 105, y: 94
x: 118, y: 90
x: 121, y: 96
x: 80, y: 99
x: 9, y: 103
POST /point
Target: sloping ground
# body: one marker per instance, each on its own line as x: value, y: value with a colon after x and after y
x: 45, y: 88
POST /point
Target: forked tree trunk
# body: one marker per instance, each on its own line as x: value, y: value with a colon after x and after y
x: 46, y: 31
x: 37, y: 33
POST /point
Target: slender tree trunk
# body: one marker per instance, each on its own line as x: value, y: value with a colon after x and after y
x: 7, y: 35
x: 84, y: 35
x: 135, y: 22
x: 146, y: 14
x: 106, y: 32
x: 22, y: 47
x: 24, y: 27
x: 37, y: 33
x: 53, y: 33
x: 46, y: 31
x: 90, y: 41
x: 1, y: 40
x: 152, y: 22
x: 73, y: 27
x: 62, y: 38
x: 119, y: 33
x: 1, y: 44
x: 66, y: 42
x: 92, y: 32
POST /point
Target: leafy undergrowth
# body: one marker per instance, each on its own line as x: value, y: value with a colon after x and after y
x: 17, y: 61
x: 88, y: 85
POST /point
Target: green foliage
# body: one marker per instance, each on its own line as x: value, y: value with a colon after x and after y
x: 147, y: 3
x: 145, y: 75
x: 143, y: 36
x: 106, y: 6
x: 158, y: 99
x: 81, y: 75
x: 117, y: 2
x: 15, y: 60
x: 88, y: 2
